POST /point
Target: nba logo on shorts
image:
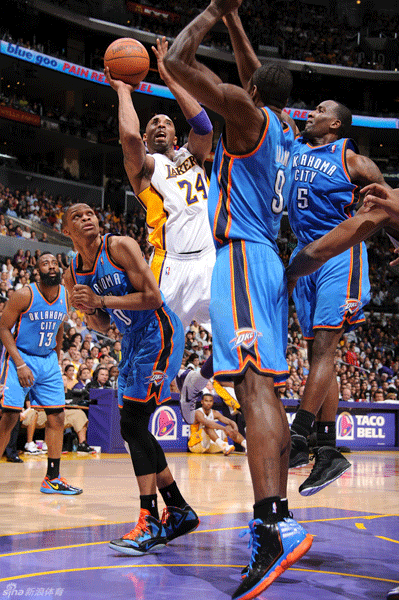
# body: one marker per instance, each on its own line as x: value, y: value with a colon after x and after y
x: 345, y: 427
x: 164, y: 424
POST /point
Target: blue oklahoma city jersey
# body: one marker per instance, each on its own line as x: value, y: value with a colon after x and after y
x: 36, y: 329
x: 249, y: 300
x: 322, y: 194
x: 241, y: 211
x: 106, y: 277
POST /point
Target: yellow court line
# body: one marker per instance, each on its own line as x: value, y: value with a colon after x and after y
x: 51, y: 549
x: 106, y: 523
x: 216, y: 530
x: 381, y: 537
x: 204, y: 566
x: 368, y: 517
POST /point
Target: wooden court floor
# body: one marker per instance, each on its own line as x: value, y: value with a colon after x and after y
x: 56, y: 546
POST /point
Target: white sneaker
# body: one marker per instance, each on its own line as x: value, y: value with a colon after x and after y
x: 31, y: 448
x: 228, y: 449
x: 44, y: 447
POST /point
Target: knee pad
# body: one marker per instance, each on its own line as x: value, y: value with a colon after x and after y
x: 146, y: 453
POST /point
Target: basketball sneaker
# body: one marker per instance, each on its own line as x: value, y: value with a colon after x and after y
x: 84, y: 448
x: 393, y: 594
x: 228, y: 449
x: 275, y: 548
x: 189, y: 393
x: 329, y: 465
x: 58, y: 486
x: 149, y: 535
x: 31, y: 448
x: 179, y: 521
x: 299, y: 455
x: 289, y: 519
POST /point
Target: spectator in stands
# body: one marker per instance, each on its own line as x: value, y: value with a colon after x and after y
x: 90, y: 365
x: 378, y: 395
x: 113, y: 376
x: 116, y: 351
x: 84, y: 377
x: 100, y: 378
x: 351, y: 355
x: 346, y: 395
x: 193, y: 362
x: 70, y: 377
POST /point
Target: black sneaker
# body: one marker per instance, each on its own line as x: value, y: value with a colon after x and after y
x: 14, y: 458
x: 148, y: 536
x: 84, y: 448
x: 299, y: 455
x: 329, y: 466
x: 275, y: 548
x: 179, y: 521
x: 393, y: 594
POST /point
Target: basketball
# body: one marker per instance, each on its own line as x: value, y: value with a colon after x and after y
x: 127, y: 60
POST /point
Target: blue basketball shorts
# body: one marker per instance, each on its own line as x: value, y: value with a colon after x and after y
x: 47, y: 390
x: 249, y: 311
x: 151, y: 359
x: 333, y: 297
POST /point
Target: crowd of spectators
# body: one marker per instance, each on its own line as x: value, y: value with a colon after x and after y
x: 41, y: 208
x: 299, y: 30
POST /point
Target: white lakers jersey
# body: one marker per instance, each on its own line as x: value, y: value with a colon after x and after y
x: 176, y: 204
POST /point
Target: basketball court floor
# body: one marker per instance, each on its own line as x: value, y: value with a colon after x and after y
x: 55, y: 547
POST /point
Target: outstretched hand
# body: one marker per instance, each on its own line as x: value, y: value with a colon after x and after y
x: 117, y: 84
x: 383, y: 197
x: 160, y: 52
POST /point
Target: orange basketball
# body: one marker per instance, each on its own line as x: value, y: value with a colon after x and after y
x: 127, y: 60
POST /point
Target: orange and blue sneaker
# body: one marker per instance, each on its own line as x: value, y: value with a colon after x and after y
x: 179, y: 521
x: 275, y: 548
x: 148, y: 536
x: 58, y: 486
x: 288, y: 517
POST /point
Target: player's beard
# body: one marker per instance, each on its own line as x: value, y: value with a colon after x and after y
x: 48, y: 280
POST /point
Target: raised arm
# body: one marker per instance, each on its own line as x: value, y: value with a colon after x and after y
x: 201, y: 133
x: 341, y: 238
x: 230, y: 101
x: 244, y: 54
x: 139, y: 165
